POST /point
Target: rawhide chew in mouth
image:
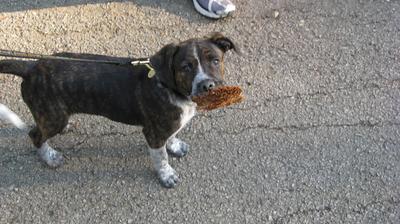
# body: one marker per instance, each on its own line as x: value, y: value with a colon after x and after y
x: 219, y: 97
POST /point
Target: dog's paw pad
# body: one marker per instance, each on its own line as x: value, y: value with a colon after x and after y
x: 178, y: 148
x: 168, y: 177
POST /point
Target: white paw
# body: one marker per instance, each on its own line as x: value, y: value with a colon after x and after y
x: 177, y: 147
x: 50, y: 156
x: 168, y: 176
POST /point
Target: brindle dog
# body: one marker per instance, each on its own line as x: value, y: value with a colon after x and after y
x: 56, y: 89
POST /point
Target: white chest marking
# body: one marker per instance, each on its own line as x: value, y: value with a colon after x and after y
x: 189, y: 110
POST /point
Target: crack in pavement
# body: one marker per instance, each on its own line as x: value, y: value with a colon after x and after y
x: 283, y: 129
x: 362, y: 208
x: 281, y: 219
x: 365, y: 85
x: 105, y: 134
x: 87, y: 137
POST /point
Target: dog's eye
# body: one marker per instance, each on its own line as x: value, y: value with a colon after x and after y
x: 187, y: 67
x: 215, y: 62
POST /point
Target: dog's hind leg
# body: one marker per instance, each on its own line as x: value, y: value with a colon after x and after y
x: 45, y: 130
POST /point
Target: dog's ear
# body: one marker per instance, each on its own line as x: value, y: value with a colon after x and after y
x: 162, y: 62
x: 224, y: 43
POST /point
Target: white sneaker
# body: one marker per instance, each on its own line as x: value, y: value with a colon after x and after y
x: 214, y: 8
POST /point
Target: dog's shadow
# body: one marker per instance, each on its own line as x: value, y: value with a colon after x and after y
x: 181, y: 8
x: 107, y: 159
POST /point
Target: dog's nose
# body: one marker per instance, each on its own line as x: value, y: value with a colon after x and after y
x: 207, y: 85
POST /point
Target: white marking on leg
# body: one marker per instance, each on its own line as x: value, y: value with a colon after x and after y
x: 200, y: 75
x: 165, y: 172
x: 10, y: 117
x: 50, y: 156
x: 159, y: 157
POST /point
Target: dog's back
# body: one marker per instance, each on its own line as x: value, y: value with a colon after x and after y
x: 80, y: 87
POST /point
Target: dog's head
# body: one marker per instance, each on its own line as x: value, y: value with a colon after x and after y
x: 193, y: 66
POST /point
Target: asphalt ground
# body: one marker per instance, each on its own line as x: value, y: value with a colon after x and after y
x: 316, y: 141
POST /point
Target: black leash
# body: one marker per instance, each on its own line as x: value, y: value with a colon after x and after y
x: 18, y: 54
x: 25, y: 55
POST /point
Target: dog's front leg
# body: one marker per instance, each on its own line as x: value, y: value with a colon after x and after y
x: 177, y: 147
x: 166, y: 173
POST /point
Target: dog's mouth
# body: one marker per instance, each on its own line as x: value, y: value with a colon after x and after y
x: 206, y: 86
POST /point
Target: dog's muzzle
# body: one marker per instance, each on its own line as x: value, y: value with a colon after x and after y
x: 207, y: 85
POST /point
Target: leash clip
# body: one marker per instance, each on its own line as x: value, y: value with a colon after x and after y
x: 146, y: 63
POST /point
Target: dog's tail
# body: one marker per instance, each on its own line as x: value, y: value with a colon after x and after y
x: 10, y: 117
x: 16, y: 67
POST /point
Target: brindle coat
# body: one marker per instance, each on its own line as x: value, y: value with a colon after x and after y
x: 56, y: 89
